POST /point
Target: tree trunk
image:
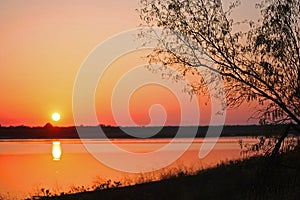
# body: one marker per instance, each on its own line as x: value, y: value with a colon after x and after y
x: 276, y: 149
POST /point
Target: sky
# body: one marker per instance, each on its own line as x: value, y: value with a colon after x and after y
x: 43, y: 45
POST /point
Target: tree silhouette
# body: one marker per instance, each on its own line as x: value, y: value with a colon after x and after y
x: 261, y: 64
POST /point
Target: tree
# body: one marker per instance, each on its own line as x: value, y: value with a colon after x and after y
x: 261, y: 64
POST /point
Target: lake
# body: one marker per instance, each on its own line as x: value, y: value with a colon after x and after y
x: 29, y: 165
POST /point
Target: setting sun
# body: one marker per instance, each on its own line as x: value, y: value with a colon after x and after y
x: 56, y: 116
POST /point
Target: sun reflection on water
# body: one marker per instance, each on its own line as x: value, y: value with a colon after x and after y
x: 56, y: 150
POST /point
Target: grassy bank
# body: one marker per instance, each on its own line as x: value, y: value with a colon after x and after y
x: 254, y: 178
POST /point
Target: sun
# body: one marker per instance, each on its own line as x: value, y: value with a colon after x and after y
x: 56, y: 116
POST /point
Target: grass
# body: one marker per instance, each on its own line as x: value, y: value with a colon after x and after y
x: 253, y: 178
x: 100, y: 183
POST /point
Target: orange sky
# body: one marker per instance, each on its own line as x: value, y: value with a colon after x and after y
x: 43, y: 44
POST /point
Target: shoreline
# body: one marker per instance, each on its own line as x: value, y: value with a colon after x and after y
x: 256, y: 177
x: 92, y: 132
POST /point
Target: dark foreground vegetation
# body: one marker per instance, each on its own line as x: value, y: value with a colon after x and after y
x: 254, y: 178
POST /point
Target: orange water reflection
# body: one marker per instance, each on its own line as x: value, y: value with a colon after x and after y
x: 56, y: 150
x: 26, y: 165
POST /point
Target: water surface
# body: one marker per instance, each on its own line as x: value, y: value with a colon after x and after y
x: 29, y: 165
